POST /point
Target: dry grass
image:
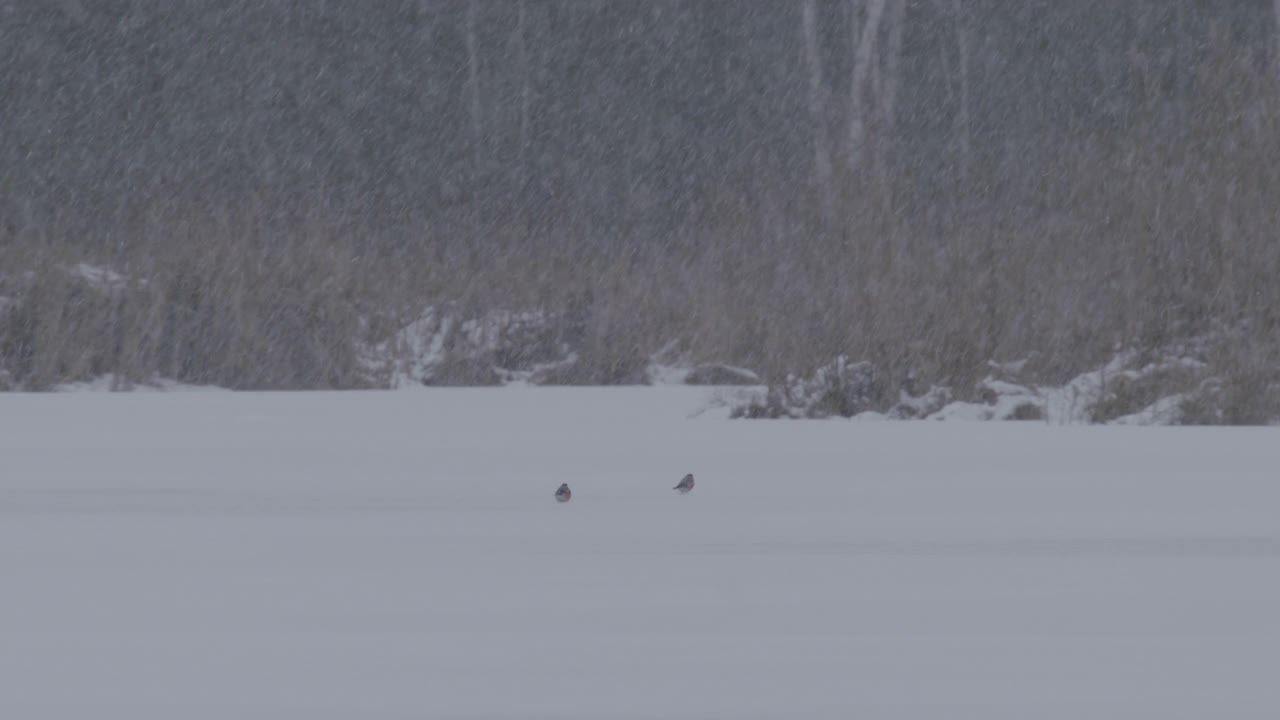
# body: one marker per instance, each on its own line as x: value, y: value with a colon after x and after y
x: 1130, y: 239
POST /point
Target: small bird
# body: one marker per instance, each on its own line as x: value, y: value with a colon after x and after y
x: 685, y: 485
x: 563, y: 494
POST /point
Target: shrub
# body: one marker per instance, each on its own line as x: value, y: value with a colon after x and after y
x: 838, y: 389
x: 1027, y: 411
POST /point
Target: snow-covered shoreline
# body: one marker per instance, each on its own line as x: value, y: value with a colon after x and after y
x: 1062, y: 405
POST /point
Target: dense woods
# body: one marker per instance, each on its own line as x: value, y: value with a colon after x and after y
x: 927, y: 185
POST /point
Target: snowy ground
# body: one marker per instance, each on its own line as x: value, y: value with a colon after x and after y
x: 399, y: 555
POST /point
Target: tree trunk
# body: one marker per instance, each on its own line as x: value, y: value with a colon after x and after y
x: 817, y: 92
x: 864, y: 56
x: 1275, y: 50
x: 962, y: 118
x: 888, y: 102
x: 526, y: 94
x: 473, y: 78
x: 893, y: 61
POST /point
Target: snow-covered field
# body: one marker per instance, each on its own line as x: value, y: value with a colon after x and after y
x: 399, y: 555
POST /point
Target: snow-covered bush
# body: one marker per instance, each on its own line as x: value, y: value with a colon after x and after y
x: 840, y: 388
x: 720, y: 374
x: 607, y: 356
x: 443, y: 347
x: 1239, y: 399
x: 997, y: 400
x: 1132, y: 391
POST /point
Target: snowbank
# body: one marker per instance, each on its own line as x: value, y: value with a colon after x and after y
x: 399, y: 555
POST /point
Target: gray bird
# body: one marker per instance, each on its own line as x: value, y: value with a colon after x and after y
x: 685, y: 485
x: 563, y: 494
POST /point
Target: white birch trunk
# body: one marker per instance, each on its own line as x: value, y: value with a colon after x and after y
x: 887, y: 101
x: 962, y: 120
x: 817, y: 92
x: 893, y: 62
x: 526, y: 93
x: 864, y: 56
x: 1276, y: 49
x: 473, y: 77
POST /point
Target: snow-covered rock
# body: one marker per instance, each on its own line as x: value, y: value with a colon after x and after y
x: 99, y: 277
x: 1002, y: 400
x: 445, y: 348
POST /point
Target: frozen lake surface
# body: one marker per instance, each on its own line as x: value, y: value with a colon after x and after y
x: 399, y: 555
